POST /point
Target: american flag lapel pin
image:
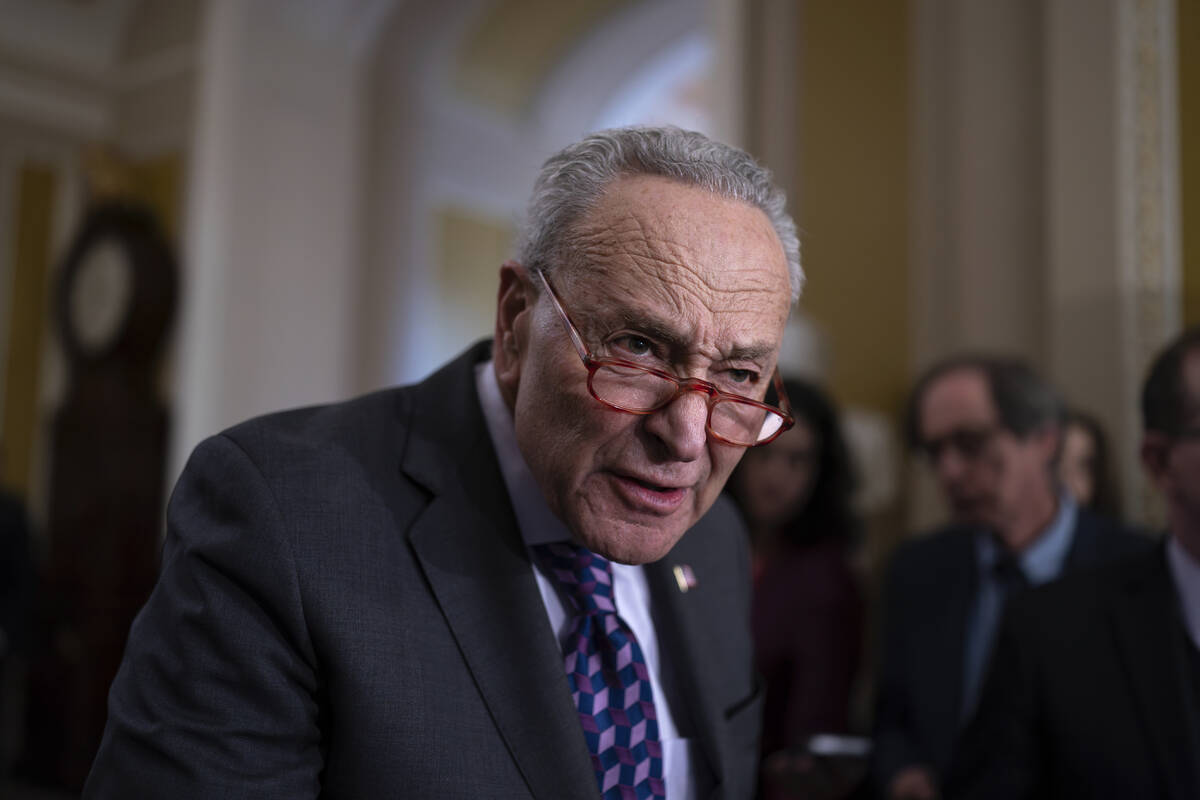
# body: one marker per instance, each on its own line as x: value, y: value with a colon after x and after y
x: 685, y: 579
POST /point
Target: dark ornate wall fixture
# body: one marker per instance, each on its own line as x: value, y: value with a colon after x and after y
x: 114, y: 305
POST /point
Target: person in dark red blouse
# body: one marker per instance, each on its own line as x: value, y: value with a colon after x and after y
x: 807, y: 619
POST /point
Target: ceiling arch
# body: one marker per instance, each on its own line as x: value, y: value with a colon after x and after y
x: 515, y: 43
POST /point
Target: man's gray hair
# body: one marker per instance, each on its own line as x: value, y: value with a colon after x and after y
x: 573, y: 180
x: 1025, y: 402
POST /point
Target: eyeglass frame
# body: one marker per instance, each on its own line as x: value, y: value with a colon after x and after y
x: 969, y: 442
x: 713, y: 394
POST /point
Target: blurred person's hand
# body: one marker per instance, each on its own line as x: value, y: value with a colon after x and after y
x: 797, y: 774
x: 913, y: 783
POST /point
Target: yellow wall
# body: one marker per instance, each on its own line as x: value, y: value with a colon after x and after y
x: 29, y: 307
x: 853, y: 192
x: 471, y: 248
x: 1189, y: 153
x: 158, y: 182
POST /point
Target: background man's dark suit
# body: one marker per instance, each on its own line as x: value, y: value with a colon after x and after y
x: 927, y: 603
x: 346, y: 600
x: 1087, y: 698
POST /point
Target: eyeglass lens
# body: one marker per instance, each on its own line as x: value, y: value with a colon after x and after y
x: 635, y: 390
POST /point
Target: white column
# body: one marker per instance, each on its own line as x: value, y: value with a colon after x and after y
x: 1149, y: 212
x: 978, y: 157
x: 271, y: 267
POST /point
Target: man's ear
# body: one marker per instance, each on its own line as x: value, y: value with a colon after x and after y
x: 513, y: 302
x: 1154, y: 451
x: 1048, y: 440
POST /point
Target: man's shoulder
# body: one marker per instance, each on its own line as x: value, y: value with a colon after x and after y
x: 1085, y: 594
x: 1110, y: 537
x: 1101, y: 540
x: 946, y: 547
x: 367, y: 425
x: 356, y: 423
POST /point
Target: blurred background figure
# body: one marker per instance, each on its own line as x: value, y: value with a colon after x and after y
x: 1084, y: 465
x: 990, y: 428
x: 16, y: 585
x: 808, y: 613
x: 1095, y: 689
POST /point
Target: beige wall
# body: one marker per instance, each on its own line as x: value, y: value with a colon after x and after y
x: 852, y: 200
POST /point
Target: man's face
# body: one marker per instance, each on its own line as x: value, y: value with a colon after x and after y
x: 671, y: 276
x: 985, y: 471
x: 1175, y: 464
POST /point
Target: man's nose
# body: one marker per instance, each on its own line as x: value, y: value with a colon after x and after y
x: 949, y: 465
x: 681, y: 426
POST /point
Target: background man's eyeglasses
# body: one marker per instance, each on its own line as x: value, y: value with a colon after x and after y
x: 636, y: 389
x: 969, y: 443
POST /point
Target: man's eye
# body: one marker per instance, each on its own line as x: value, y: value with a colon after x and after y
x: 741, y: 376
x: 634, y: 345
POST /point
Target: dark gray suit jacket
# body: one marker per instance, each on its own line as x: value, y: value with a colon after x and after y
x: 927, y: 601
x: 346, y: 609
x: 1089, y: 696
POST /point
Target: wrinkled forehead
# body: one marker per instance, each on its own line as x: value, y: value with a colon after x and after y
x: 656, y: 245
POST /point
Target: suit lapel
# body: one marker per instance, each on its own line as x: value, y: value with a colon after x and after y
x: 944, y: 651
x: 699, y: 628
x: 679, y: 624
x: 1085, y: 545
x: 1144, y: 616
x: 469, y: 547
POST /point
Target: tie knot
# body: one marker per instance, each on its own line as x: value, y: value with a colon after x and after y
x: 1009, y: 574
x: 583, y: 575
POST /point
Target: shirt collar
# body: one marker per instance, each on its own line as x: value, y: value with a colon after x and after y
x: 1042, y: 561
x: 535, y: 519
x: 1185, y: 571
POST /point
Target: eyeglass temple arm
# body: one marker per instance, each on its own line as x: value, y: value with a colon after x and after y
x: 785, y: 404
x: 566, y: 320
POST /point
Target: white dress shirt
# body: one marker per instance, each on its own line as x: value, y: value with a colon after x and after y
x: 539, y: 525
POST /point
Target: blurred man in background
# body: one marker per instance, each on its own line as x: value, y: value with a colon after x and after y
x: 990, y: 429
x: 1095, y: 689
x: 378, y: 598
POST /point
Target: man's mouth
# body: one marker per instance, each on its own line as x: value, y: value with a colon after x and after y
x: 642, y: 494
x: 657, y: 487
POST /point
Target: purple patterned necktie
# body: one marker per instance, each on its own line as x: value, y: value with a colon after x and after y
x: 608, y: 678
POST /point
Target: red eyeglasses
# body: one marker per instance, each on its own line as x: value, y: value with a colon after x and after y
x: 636, y: 389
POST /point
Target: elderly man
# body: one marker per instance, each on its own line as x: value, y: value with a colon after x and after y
x: 990, y: 428
x: 480, y: 586
x: 1095, y: 689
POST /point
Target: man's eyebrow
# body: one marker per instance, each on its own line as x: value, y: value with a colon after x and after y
x: 678, y: 341
x: 657, y: 329
x: 758, y: 351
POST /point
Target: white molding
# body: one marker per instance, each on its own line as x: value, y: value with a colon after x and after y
x: 163, y: 66
x: 1149, y: 209
x: 727, y: 20
x: 84, y: 105
x: 76, y: 37
x: 40, y: 100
